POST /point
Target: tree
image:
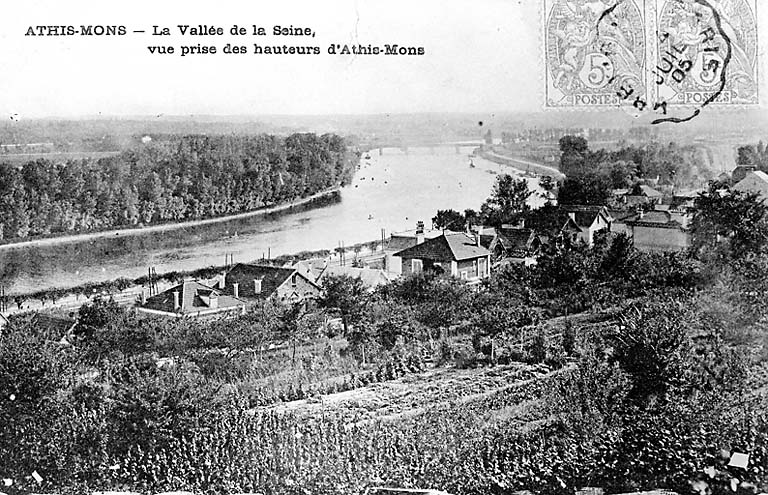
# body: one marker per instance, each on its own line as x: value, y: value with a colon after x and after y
x: 100, y: 313
x: 347, y: 295
x: 296, y: 323
x: 105, y: 331
x: 585, y: 189
x: 471, y: 217
x: 536, y: 348
x: 448, y: 220
x: 569, y: 337
x: 649, y: 345
x: 574, y: 150
x: 616, y: 257
x: 548, y: 183
x: 32, y: 370
x: 733, y: 222
x: 495, y: 316
x: 508, y: 202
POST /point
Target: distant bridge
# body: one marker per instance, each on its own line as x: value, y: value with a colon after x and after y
x: 432, y: 146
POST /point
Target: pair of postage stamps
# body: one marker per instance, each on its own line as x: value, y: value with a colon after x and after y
x: 667, y: 59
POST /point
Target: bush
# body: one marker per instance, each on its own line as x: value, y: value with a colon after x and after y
x: 536, y: 349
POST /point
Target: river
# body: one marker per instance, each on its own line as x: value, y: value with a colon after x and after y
x: 390, y: 191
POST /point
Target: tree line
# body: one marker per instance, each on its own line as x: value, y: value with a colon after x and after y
x: 181, y: 178
x: 671, y: 164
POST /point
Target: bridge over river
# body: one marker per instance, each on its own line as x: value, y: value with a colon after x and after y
x: 432, y: 146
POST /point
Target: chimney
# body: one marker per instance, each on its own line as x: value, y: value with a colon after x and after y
x: 419, y: 232
x: 236, y: 289
x: 223, y: 281
x: 478, y: 230
x: 257, y: 286
x: 176, y: 305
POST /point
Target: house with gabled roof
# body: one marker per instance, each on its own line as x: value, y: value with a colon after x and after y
x: 658, y: 231
x: 589, y: 219
x: 643, y: 194
x: 192, y: 299
x: 516, y: 244
x: 552, y: 224
x: 318, y: 269
x: 456, y: 253
x: 255, y: 283
x: 754, y: 182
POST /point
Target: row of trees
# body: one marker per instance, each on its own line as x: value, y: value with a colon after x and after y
x: 754, y: 155
x: 181, y: 178
x: 681, y: 166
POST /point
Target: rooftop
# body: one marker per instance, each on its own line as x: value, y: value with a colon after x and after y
x: 193, y: 297
x: 271, y: 278
x: 450, y: 246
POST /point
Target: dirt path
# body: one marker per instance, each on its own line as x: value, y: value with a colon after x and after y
x: 54, y: 241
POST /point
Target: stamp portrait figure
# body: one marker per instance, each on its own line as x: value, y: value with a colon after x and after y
x: 718, y: 38
x: 593, y: 48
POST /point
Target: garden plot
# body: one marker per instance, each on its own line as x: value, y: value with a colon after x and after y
x: 413, y: 394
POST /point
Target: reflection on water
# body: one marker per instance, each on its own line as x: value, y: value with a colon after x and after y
x: 389, y: 192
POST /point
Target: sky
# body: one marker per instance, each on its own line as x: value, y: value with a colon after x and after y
x: 480, y: 56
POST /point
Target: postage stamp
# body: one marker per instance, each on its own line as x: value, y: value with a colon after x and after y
x: 592, y: 48
x: 707, y: 50
x: 664, y: 58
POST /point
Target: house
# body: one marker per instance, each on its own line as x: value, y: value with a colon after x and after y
x: 319, y: 268
x: 620, y: 217
x: 402, y: 240
x: 456, y: 253
x: 681, y: 204
x: 192, y: 299
x: 516, y: 244
x: 254, y: 283
x: 552, y: 224
x: 658, y: 231
x: 312, y: 268
x: 754, y: 182
x: 643, y: 194
x: 589, y: 219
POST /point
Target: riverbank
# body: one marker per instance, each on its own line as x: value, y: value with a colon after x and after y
x: 75, y: 238
x: 520, y: 164
x: 128, y: 292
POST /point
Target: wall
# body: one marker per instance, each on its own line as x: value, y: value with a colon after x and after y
x: 660, y: 239
x: 303, y: 288
x: 470, y: 268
